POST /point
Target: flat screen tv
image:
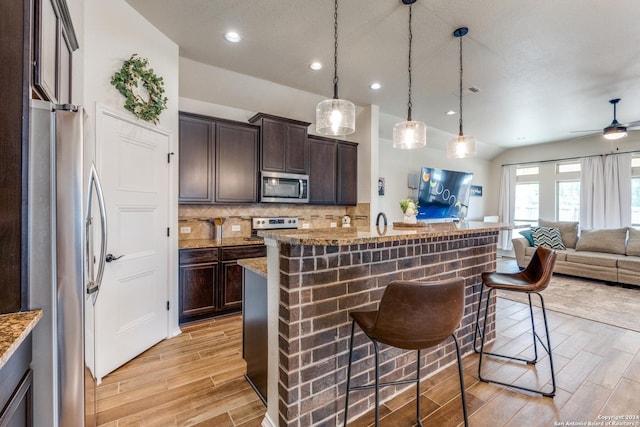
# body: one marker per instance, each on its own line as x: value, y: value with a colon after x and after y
x: 443, y: 194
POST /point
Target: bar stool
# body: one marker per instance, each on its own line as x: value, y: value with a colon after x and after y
x: 411, y: 316
x: 532, y: 280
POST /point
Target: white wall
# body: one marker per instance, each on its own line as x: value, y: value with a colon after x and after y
x: 113, y: 32
x: 396, y: 164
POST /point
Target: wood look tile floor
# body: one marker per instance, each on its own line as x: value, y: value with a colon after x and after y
x: 196, y: 379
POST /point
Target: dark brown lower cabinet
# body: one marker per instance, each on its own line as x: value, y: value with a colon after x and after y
x: 211, y: 280
x: 16, y: 392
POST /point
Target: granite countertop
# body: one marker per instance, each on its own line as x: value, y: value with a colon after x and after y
x: 210, y: 243
x: 350, y: 236
x: 14, y: 328
x: 257, y: 265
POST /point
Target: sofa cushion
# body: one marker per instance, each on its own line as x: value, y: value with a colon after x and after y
x: 594, y: 258
x: 611, y: 240
x: 547, y: 237
x: 528, y: 234
x: 630, y: 263
x: 568, y: 230
x: 633, y: 244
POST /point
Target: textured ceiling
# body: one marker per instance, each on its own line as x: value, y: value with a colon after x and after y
x: 543, y: 68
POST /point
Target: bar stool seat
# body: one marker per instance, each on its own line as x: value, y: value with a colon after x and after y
x: 411, y: 316
x: 532, y: 280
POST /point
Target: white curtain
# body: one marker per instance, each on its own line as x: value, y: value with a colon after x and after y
x: 617, y: 191
x: 605, y: 191
x: 506, y: 204
x: 592, y: 192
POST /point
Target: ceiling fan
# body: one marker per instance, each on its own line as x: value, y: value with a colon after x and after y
x: 616, y: 130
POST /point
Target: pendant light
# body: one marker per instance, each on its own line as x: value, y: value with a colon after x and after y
x: 335, y: 117
x: 409, y: 134
x: 462, y: 145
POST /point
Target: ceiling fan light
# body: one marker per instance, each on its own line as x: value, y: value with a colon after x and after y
x: 615, y: 132
x: 461, y: 146
x: 335, y: 117
x: 409, y: 135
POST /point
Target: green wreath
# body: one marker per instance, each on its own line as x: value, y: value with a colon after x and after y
x: 135, y: 70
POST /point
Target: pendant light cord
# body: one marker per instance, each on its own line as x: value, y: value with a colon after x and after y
x: 409, y: 68
x: 335, y: 51
x: 460, y: 133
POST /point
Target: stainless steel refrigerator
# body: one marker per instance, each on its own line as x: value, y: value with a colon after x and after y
x: 66, y: 242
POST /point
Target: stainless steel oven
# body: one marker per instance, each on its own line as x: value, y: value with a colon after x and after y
x: 279, y: 187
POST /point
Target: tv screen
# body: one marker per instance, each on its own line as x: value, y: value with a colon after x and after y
x: 443, y: 194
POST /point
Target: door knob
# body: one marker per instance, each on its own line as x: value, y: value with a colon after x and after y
x: 110, y: 257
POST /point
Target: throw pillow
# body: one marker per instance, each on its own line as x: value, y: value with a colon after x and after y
x: 609, y: 240
x: 547, y: 237
x: 633, y: 244
x: 528, y: 234
x: 568, y: 230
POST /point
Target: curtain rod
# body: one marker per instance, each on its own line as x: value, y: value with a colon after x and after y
x: 566, y: 158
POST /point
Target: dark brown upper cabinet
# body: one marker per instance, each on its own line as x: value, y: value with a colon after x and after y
x: 196, y: 154
x: 54, y: 42
x: 283, y: 143
x: 218, y: 161
x: 333, y: 171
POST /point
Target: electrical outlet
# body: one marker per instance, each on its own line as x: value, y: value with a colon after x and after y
x: 235, y: 228
x: 333, y: 224
x: 185, y: 230
x: 305, y: 225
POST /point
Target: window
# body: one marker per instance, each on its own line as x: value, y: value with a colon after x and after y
x: 527, y: 202
x: 568, y: 191
x: 635, y: 191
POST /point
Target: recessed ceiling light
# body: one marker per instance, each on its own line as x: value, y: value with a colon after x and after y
x: 232, y: 37
x: 450, y: 113
x: 375, y: 86
x: 315, y: 66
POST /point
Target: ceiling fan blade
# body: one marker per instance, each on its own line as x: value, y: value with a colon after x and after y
x: 633, y: 125
x: 588, y: 130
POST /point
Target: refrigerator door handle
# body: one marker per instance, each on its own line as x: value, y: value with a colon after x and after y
x: 94, y: 181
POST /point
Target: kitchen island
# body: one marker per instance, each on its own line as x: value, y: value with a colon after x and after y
x: 316, y: 277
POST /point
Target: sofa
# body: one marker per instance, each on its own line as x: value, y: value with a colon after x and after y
x: 611, y: 255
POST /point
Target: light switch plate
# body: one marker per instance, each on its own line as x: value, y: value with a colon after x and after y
x: 235, y: 228
x: 305, y: 225
x: 185, y: 230
x: 333, y: 224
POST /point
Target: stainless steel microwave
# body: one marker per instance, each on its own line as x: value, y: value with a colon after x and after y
x: 277, y: 187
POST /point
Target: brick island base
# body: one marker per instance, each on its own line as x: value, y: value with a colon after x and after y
x: 312, y: 288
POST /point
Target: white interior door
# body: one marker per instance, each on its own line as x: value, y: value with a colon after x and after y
x: 131, y: 306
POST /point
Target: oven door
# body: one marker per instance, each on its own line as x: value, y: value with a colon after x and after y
x: 284, y: 188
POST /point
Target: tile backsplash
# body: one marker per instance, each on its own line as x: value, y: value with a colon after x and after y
x: 195, y: 220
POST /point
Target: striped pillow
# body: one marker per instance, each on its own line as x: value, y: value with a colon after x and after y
x: 548, y: 237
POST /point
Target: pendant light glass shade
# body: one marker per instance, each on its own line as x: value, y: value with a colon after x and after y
x: 461, y: 146
x: 335, y: 117
x: 410, y: 134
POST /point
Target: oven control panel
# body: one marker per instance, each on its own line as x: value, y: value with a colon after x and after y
x: 275, y: 223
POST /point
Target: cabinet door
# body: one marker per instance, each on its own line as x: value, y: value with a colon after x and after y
x: 322, y: 171
x: 231, y: 289
x: 296, y: 149
x: 47, y: 41
x: 236, y: 163
x: 196, y: 160
x: 274, y: 136
x: 347, y: 193
x: 198, y: 283
x: 64, y: 92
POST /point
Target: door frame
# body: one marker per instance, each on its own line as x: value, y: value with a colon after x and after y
x: 173, y: 327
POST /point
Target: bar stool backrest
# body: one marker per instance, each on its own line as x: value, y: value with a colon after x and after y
x: 540, y: 269
x: 416, y: 315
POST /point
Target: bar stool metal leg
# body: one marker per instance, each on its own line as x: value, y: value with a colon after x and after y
x: 462, y: 392
x: 536, y: 338
x: 346, y: 399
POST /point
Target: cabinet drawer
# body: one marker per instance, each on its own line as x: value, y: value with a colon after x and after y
x: 195, y: 256
x: 239, y: 252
